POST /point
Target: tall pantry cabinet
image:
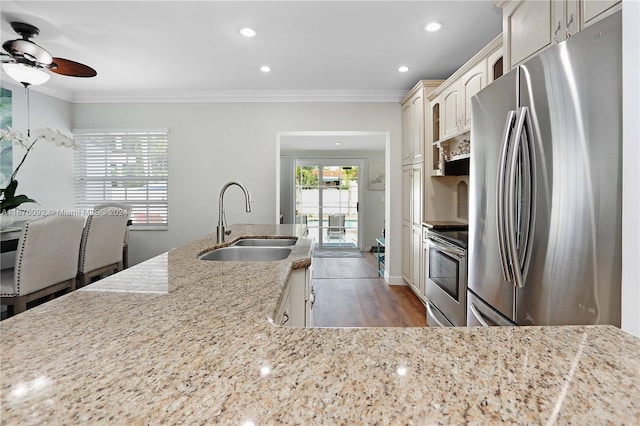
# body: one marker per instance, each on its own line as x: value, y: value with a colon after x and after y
x: 414, y: 127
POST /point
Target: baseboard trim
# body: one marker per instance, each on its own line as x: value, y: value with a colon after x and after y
x: 394, y: 280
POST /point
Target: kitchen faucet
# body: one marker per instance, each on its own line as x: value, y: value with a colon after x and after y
x: 221, y: 218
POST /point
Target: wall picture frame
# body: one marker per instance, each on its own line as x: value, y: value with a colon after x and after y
x: 376, y: 177
x: 6, y: 147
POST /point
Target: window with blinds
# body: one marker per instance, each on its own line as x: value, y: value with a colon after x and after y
x: 125, y: 166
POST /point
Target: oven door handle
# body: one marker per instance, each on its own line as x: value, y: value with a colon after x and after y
x: 456, y: 253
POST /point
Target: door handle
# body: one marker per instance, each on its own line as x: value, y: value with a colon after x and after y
x: 500, y: 202
x: 482, y: 319
x: 519, y: 228
x: 569, y: 22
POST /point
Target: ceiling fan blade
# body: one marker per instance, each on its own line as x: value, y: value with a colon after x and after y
x: 72, y: 68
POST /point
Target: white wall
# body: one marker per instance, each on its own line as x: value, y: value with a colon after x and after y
x: 631, y: 171
x: 213, y: 143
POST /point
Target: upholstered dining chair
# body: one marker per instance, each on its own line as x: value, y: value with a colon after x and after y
x: 101, y: 246
x: 46, y: 260
x: 125, y: 245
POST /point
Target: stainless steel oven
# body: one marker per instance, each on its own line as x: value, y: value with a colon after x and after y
x: 446, y: 277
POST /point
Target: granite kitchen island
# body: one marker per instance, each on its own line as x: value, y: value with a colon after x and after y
x: 203, y: 348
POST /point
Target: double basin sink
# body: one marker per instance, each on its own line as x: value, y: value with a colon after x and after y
x: 252, y: 250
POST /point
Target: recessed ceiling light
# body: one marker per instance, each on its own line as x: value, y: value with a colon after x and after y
x: 403, y: 68
x: 248, y: 32
x: 433, y: 26
x: 337, y: 143
x: 265, y: 68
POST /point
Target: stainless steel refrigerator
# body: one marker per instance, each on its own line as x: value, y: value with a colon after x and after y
x: 546, y: 188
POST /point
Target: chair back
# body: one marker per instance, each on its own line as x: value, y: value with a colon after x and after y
x: 47, y: 252
x: 112, y: 204
x: 337, y: 220
x: 102, y: 239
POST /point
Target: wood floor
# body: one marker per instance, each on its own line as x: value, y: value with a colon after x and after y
x: 350, y: 294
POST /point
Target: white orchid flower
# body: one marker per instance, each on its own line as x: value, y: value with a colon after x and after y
x: 11, y: 134
x: 56, y: 136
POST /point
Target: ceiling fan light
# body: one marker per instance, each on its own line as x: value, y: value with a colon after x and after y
x: 26, y: 74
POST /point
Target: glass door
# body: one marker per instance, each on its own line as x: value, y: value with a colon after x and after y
x: 327, y: 195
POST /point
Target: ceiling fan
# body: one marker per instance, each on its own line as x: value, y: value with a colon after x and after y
x: 26, y: 60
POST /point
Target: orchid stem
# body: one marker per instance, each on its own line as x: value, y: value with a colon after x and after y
x: 15, y: 172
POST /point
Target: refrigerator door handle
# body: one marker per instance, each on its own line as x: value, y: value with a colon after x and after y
x: 500, y: 208
x: 481, y: 318
x: 521, y: 206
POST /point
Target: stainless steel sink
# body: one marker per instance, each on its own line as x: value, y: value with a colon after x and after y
x: 247, y: 254
x: 266, y: 242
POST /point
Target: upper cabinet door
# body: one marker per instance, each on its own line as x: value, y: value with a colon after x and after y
x: 594, y: 10
x: 435, y: 120
x: 527, y: 27
x: 569, y: 19
x: 417, y: 126
x: 450, y: 113
x: 406, y: 133
x: 495, y: 66
x: 472, y: 82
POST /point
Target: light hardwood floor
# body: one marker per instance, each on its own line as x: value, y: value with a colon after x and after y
x: 349, y: 293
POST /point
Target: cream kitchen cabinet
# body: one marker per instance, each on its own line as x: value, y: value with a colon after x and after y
x: 495, y: 65
x: 406, y: 222
x: 413, y: 121
x: 530, y: 26
x: 406, y: 133
x: 471, y: 83
x: 412, y: 186
x: 417, y: 264
x: 526, y: 28
x: 593, y: 10
x: 456, y: 101
x: 297, y: 310
x: 449, y: 108
x: 450, y: 124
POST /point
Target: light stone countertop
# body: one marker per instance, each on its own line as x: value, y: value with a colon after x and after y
x: 206, y: 352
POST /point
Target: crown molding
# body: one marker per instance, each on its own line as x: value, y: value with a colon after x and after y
x: 195, y: 96
x: 202, y: 96
x: 245, y: 96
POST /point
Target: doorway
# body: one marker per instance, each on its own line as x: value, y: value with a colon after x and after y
x: 327, y: 200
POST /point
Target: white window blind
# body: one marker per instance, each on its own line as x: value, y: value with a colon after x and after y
x: 125, y: 166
